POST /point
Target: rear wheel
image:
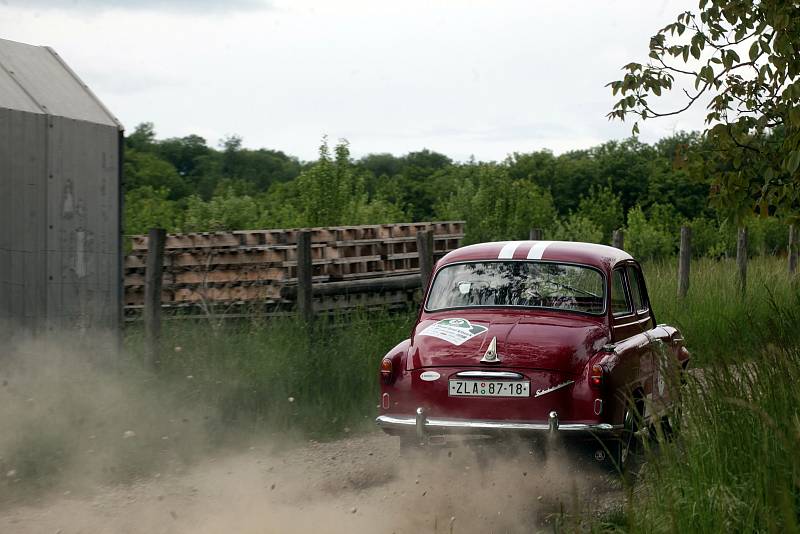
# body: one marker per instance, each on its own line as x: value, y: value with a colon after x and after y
x: 627, y: 444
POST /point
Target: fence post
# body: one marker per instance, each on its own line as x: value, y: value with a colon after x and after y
x: 305, y: 303
x: 792, y: 249
x: 618, y: 239
x: 536, y: 234
x: 684, y: 260
x: 741, y: 258
x: 154, y: 271
x: 425, y: 250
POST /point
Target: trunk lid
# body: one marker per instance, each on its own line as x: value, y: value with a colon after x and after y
x: 527, y: 340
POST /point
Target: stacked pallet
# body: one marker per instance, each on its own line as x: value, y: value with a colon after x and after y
x: 253, y: 266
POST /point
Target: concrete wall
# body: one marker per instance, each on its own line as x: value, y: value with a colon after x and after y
x: 60, y: 256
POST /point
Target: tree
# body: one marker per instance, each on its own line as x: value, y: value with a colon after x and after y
x: 147, y: 169
x: 227, y: 211
x: 142, y: 138
x: 494, y: 206
x: 742, y: 58
x: 183, y: 152
x: 603, y: 208
x: 577, y: 227
x: 644, y: 239
x: 149, y: 207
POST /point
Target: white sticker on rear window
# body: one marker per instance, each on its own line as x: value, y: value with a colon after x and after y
x: 455, y: 331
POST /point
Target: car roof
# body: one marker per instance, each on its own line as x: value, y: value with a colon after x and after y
x: 601, y: 256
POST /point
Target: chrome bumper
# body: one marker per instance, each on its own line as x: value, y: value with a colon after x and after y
x: 424, y: 425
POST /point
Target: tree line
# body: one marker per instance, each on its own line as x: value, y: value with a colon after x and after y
x: 649, y: 190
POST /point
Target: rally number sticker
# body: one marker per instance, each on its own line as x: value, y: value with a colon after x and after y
x: 455, y: 331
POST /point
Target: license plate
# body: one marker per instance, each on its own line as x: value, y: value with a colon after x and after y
x: 489, y: 388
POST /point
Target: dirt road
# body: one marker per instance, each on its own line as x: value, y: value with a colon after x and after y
x: 358, y: 485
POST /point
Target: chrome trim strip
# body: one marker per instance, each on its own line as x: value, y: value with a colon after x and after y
x: 637, y: 321
x: 390, y: 421
x: 490, y: 374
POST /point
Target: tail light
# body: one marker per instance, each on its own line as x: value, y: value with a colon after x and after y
x: 386, y: 370
x: 596, y: 376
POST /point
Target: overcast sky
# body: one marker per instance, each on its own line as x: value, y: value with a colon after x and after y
x: 483, y: 77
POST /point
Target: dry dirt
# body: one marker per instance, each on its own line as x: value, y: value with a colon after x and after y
x: 358, y: 485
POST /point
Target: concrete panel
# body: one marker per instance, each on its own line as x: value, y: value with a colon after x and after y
x: 83, y: 160
x: 5, y: 213
x: 22, y: 195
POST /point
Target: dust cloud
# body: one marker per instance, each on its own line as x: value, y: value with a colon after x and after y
x: 90, y: 445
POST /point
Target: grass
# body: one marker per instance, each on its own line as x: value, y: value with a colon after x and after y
x: 282, y: 375
x: 734, y: 466
x: 714, y: 318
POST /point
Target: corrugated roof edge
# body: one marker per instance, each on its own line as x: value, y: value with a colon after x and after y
x: 85, y: 87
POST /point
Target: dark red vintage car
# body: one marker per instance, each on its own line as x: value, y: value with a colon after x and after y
x: 538, y: 338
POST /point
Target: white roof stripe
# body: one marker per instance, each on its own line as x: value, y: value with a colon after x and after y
x: 507, y: 252
x: 537, y: 250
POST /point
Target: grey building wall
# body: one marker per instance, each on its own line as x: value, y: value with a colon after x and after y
x: 60, y: 255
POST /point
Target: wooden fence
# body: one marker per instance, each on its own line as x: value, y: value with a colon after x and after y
x: 348, y: 266
x: 685, y: 255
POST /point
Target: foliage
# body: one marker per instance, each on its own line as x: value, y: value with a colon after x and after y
x: 147, y: 207
x: 741, y: 58
x: 146, y: 169
x: 185, y: 185
x: 577, y: 227
x: 226, y: 211
x: 495, y: 206
x: 604, y: 209
x: 644, y: 239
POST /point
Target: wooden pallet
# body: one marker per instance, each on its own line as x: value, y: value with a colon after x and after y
x: 253, y: 265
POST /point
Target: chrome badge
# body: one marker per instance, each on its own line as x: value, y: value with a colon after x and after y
x: 491, y: 355
x: 540, y: 392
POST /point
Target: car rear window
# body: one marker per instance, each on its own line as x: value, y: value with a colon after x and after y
x: 518, y: 283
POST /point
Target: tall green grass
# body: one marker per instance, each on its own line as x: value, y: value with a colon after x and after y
x: 735, y: 464
x: 715, y: 319
x: 282, y: 375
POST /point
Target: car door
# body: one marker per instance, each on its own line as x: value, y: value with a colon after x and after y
x: 661, y: 346
x: 630, y: 324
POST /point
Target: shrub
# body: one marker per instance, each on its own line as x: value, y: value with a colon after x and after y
x: 646, y: 241
x: 577, y: 227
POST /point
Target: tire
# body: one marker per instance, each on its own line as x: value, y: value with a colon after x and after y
x: 627, y: 444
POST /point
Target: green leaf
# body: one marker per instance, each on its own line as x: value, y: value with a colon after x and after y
x: 695, y: 51
x: 793, y: 161
x: 794, y: 117
x: 754, y: 48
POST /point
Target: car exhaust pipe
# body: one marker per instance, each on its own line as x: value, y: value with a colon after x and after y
x: 421, y: 421
x: 552, y: 422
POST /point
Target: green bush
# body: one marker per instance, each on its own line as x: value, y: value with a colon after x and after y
x: 577, y: 227
x: 645, y: 240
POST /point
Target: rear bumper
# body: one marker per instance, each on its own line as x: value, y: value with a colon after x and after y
x: 424, y: 426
